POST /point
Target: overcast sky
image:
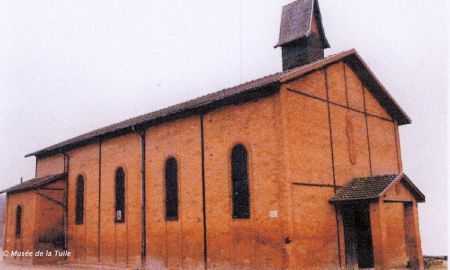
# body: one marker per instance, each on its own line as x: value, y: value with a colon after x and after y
x: 68, y: 67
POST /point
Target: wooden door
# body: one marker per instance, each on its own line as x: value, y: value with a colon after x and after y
x: 357, y: 236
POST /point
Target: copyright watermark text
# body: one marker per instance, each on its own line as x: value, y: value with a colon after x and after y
x: 37, y: 253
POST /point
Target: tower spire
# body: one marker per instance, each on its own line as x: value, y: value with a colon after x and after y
x: 302, y: 37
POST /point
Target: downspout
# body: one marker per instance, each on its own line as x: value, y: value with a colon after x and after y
x: 35, y: 166
x: 99, y: 197
x: 202, y: 147
x: 333, y: 164
x: 143, y: 202
x: 5, y: 224
x: 66, y: 191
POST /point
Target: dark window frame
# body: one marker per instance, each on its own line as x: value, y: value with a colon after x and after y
x: 119, y: 195
x: 79, y: 200
x: 19, y: 217
x: 171, y: 189
x: 240, y: 182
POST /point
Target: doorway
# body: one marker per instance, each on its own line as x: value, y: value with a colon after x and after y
x: 357, y: 236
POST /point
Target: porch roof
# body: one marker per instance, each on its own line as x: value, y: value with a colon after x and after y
x: 373, y: 187
x: 35, y: 183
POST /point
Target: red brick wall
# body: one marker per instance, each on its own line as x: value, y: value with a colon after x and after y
x: 177, y: 243
x: 326, y: 147
x: 383, y: 145
x: 315, y: 237
x: 309, y: 161
x: 257, y: 242
x: 395, y: 229
x: 50, y: 165
x: 395, y: 224
x: 288, y: 139
x: 49, y: 222
x: 41, y: 220
x: 83, y: 238
x: 120, y: 243
x: 28, y: 236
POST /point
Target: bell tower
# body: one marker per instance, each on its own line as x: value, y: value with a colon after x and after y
x: 302, y: 37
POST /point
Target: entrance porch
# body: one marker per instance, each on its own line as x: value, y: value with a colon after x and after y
x: 380, y: 222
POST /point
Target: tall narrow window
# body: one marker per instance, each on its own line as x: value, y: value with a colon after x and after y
x: 239, y: 167
x: 120, y: 195
x: 18, y: 221
x: 79, y: 204
x: 171, y: 189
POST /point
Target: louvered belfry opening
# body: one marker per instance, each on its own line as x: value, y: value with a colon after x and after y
x: 302, y: 37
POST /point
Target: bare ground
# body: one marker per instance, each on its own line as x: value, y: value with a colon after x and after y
x: 13, y: 266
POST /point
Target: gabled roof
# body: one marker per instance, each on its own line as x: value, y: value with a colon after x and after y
x: 296, y: 22
x: 35, y: 183
x: 238, y: 94
x: 373, y: 187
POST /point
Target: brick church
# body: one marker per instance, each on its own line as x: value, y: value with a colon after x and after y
x: 300, y: 169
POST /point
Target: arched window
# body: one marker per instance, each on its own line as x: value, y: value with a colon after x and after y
x: 79, y: 204
x: 171, y: 189
x: 120, y: 195
x: 239, y: 175
x: 18, y: 221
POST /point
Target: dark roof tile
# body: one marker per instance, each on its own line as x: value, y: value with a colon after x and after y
x: 35, y: 183
x: 373, y: 187
x: 364, y: 188
x: 296, y: 21
x: 240, y: 91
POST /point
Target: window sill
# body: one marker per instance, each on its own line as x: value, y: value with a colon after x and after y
x: 241, y: 217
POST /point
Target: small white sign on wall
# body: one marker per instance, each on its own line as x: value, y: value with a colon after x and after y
x: 273, y: 213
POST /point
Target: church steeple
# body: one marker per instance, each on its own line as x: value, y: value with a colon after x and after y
x: 302, y: 37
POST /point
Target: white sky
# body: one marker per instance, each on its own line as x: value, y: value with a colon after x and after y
x: 68, y: 67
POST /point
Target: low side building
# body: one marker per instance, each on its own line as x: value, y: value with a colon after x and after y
x: 35, y: 220
x: 301, y: 169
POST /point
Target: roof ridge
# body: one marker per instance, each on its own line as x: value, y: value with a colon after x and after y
x: 165, y: 109
x: 373, y: 187
x: 377, y: 176
x: 328, y: 57
x: 213, y: 99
